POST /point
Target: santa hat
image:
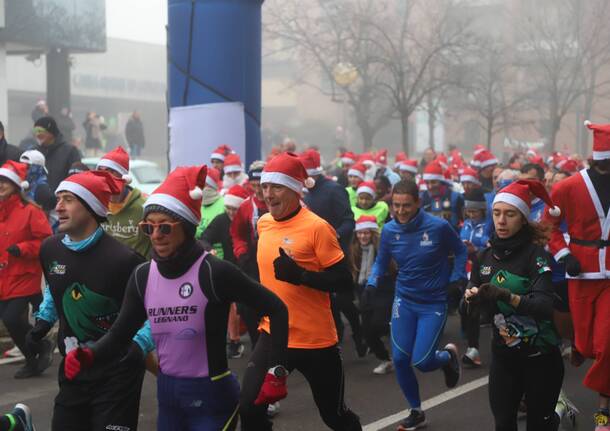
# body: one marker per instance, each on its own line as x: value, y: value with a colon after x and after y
x: 601, y: 140
x: 348, y: 158
x: 469, y: 175
x: 235, y: 196
x: 409, y: 165
x: 311, y: 161
x: 180, y: 193
x: 422, y: 185
x: 400, y: 157
x: 381, y: 159
x: 366, y: 222
x: 531, y: 153
x: 442, y: 159
x: 212, y: 179
x: 366, y: 159
x: 94, y: 187
x: 232, y: 164
x: 567, y: 165
x: 538, y: 160
x: 118, y: 161
x: 221, y: 152
x: 456, y: 158
x: 16, y: 172
x: 478, y: 149
x: 287, y: 170
x: 485, y: 159
x: 366, y: 187
x: 434, y: 171
x: 33, y: 157
x: 519, y: 194
x: 358, y: 170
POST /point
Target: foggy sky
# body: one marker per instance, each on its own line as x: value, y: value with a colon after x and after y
x: 141, y: 20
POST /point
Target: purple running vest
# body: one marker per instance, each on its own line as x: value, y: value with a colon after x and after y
x: 176, y: 310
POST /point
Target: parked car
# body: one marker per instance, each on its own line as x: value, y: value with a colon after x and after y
x: 145, y: 175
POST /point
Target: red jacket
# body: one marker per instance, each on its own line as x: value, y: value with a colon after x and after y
x: 242, y: 231
x: 23, y: 225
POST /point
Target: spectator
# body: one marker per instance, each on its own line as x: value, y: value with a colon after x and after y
x: 66, y: 125
x: 134, y: 133
x: 93, y: 128
x: 7, y: 151
x: 38, y: 190
x: 40, y: 110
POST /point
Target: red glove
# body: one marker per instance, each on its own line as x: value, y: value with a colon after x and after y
x: 77, y: 360
x: 274, y: 386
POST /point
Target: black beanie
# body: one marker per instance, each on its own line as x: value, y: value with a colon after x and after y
x: 475, y: 199
x: 49, y: 124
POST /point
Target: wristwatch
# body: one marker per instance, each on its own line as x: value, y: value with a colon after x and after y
x: 279, y: 371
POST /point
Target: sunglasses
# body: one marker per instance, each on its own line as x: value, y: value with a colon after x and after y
x: 149, y: 228
x: 38, y: 130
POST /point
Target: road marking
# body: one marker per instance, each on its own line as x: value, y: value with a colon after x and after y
x: 11, y: 360
x: 428, y: 404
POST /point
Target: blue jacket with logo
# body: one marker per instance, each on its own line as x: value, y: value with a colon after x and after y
x: 476, y: 233
x: 421, y: 250
x: 449, y: 205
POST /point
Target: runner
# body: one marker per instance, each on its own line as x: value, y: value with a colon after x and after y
x: 299, y: 259
x: 186, y: 293
x: 420, y: 244
x: 513, y: 278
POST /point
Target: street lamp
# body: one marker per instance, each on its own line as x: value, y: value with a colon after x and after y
x: 345, y: 74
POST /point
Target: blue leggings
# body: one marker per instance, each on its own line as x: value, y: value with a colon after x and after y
x: 416, y: 330
x: 197, y: 404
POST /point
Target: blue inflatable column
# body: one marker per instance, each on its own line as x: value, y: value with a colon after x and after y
x: 215, y: 56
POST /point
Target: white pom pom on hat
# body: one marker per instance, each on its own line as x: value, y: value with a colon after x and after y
x: 25, y: 185
x: 127, y: 178
x: 196, y: 193
x: 309, y: 182
x: 555, y: 211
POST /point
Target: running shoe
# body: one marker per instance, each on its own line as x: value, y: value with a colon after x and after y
x: 472, y: 357
x: 452, y: 369
x: 22, y: 413
x: 30, y: 369
x: 235, y: 350
x: 602, y: 422
x: 568, y: 419
x: 384, y: 367
x: 415, y: 420
x: 273, y: 409
x: 12, y: 353
x: 45, y: 357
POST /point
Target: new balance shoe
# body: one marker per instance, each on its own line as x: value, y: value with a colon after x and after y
x: 472, y: 357
x: 384, y: 367
x: 452, y: 369
x: 415, y: 420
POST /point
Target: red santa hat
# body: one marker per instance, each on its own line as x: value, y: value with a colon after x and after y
x: 555, y: 158
x: 409, y: 165
x: 567, y: 165
x: 287, y: 170
x: 366, y: 222
x: 531, y: 153
x: 381, y: 159
x: 212, y: 179
x: 232, y: 164
x: 469, y: 175
x: 118, y: 161
x: 434, y: 171
x: 456, y: 158
x: 311, y: 161
x: 366, y: 159
x: 601, y: 140
x: 442, y: 159
x: 348, y: 158
x: 422, y: 185
x: 538, y: 160
x: 180, y: 193
x: 94, y: 187
x: 485, y: 159
x: 478, y: 149
x: 221, y: 152
x: 366, y: 187
x: 519, y: 194
x: 400, y: 157
x: 16, y: 172
x: 358, y: 170
x: 235, y: 196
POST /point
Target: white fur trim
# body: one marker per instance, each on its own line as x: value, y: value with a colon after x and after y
x: 111, y: 164
x: 309, y: 183
x: 315, y: 171
x: 25, y: 185
x: 232, y: 168
x: 366, y: 225
x: 173, y: 204
x: 217, y: 156
x: 283, y: 180
x: 365, y: 189
x: 487, y: 163
x: 233, y: 201
x: 601, y: 155
x: 432, y: 177
x: 196, y: 193
x: 587, y: 123
x: 127, y: 178
x: 561, y: 254
x: 11, y: 175
x: 408, y: 168
x: 82, y: 192
x: 355, y: 173
x: 514, y: 200
x: 469, y: 179
x: 347, y: 160
x: 210, y: 182
x: 555, y: 211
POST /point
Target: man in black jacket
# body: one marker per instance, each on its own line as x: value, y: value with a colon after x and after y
x: 58, y: 153
x: 7, y: 151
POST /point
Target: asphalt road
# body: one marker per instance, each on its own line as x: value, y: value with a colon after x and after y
x: 376, y: 399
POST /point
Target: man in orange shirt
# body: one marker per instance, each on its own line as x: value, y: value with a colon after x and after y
x: 300, y: 260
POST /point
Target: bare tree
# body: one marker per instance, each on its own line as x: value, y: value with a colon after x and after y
x: 322, y: 34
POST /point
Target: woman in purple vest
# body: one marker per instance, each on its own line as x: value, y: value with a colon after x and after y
x: 185, y: 294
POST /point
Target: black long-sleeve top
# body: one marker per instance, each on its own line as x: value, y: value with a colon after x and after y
x: 222, y: 283
x: 218, y: 231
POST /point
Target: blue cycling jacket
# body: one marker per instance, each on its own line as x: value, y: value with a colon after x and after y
x: 476, y: 233
x: 421, y: 250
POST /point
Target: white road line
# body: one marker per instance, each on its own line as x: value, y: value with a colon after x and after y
x: 428, y: 404
x: 11, y: 360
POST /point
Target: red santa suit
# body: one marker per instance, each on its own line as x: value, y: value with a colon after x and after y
x: 589, y: 292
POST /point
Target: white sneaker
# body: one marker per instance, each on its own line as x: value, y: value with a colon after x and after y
x: 273, y: 409
x: 12, y: 353
x: 472, y: 357
x: 384, y: 368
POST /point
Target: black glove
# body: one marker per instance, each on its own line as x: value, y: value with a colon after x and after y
x: 286, y: 269
x: 493, y: 293
x: 36, y: 334
x: 13, y: 250
x: 572, y: 265
x: 134, y: 356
